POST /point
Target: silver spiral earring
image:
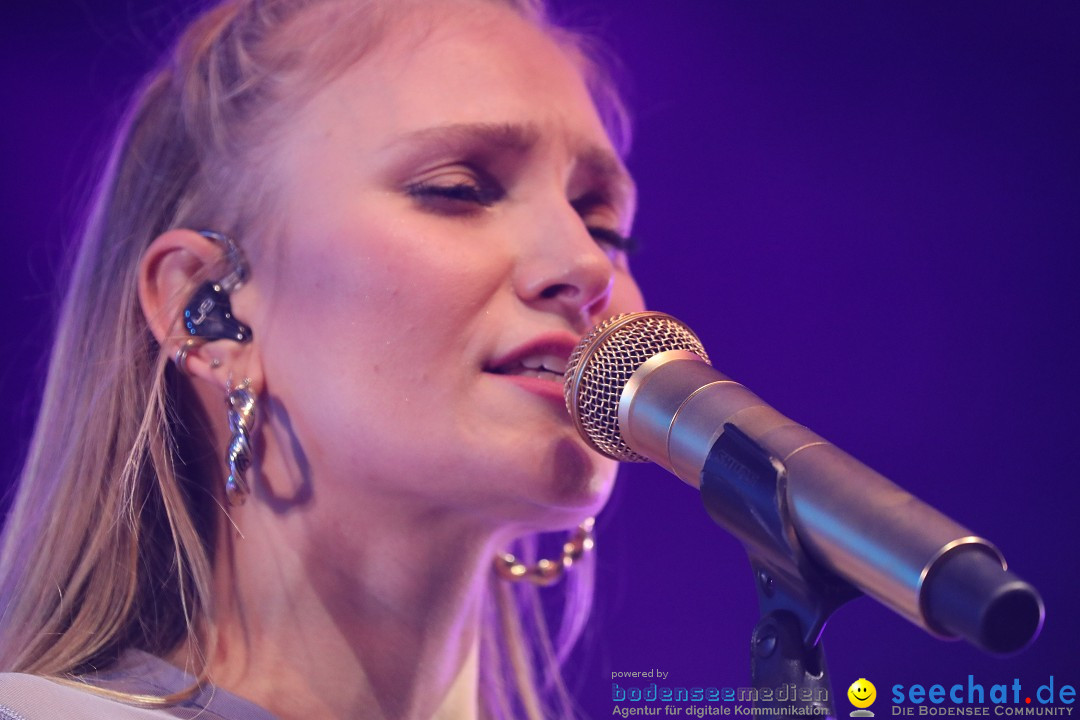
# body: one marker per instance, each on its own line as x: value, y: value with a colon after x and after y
x: 243, y: 414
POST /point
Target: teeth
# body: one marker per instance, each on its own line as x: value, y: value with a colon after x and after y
x: 551, y: 363
x: 541, y: 374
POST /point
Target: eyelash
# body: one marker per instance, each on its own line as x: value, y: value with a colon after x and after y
x: 623, y: 243
x: 485, y: 194
x: 481, y: 194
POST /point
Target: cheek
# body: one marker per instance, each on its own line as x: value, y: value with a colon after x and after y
x: 376, y: 282
x: 371, y: 313
x: 350, y: 335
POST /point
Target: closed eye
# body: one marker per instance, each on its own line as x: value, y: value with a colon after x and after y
x: 615, y: 240
x: 455, y: 193
x: 599, y: 214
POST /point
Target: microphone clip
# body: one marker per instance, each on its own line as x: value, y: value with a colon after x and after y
x: 744, y: 489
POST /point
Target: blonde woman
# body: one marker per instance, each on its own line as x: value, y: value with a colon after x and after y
x: 304, y: 397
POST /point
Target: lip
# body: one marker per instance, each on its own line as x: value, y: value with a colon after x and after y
x: 559, y: 344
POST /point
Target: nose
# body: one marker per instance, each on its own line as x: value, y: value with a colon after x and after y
x: 564, y: 270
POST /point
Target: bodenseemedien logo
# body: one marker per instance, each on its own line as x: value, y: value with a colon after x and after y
x: 862, y: 694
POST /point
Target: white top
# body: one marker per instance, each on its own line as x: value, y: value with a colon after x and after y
x: 29, y: 697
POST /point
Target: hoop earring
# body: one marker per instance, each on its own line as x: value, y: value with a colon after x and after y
x: 243, y: 414
x: 180, y: 358
x: 547, y: 572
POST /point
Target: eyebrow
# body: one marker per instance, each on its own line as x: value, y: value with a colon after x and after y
x: 519, y: 138
x: 599, y: 163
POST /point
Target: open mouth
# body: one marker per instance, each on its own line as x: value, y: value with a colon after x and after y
x: 541, y: 366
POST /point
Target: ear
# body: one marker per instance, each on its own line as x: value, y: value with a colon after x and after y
x: 172, y: 268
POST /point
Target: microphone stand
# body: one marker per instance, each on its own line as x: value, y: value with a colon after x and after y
x: 744, y: 490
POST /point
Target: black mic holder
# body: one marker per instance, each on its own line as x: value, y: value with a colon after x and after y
x: 744, y: 490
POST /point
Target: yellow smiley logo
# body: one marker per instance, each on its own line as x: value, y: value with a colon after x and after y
x: 862, y: 693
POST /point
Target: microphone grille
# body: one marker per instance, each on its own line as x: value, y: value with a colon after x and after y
x: 602, y: 364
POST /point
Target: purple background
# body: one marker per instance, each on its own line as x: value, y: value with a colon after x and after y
x: 869, y: 212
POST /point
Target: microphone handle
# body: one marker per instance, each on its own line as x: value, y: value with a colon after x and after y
x: 845, y: 516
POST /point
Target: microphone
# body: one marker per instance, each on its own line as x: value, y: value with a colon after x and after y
x: 640, y: 387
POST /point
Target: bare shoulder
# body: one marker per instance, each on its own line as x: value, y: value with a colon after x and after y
x: 31, y: 697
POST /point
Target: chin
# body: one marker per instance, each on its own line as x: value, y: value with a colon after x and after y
x: 578, y: 486
x: 531, y: 482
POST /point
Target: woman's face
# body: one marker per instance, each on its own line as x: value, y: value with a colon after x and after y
x: 447, y: 207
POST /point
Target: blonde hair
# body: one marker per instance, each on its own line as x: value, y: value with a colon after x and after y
x: 109, y: 541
